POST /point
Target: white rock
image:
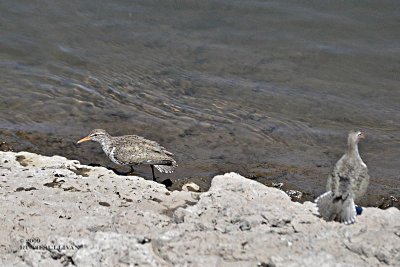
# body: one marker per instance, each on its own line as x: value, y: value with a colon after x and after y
x: 98, y: 218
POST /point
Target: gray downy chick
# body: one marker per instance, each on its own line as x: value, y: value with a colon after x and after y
x: 133, y: 150
x: 347, y: 182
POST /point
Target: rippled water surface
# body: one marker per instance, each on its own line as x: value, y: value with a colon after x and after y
x: 265, y: 88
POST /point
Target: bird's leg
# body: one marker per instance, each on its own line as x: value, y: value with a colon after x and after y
x: 152, y: 170
x: 132, y: 169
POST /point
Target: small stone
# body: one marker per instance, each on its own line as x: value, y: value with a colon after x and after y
x: 191, y: 187
x: 105, y: 204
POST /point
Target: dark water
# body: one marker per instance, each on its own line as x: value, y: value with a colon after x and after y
x: 265, y: 88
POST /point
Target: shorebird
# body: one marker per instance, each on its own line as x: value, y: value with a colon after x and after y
x: 347, y: 182
x: 133, y: 150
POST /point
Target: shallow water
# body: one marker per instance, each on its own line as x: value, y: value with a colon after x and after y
x: 267, y: 89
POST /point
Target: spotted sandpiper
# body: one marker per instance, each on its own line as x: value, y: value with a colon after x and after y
x: 348, y: 182
x: 133, y: 150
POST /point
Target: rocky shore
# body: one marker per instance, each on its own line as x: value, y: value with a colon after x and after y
x: 57, y: 212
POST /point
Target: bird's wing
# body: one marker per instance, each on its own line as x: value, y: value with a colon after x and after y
x: 141, y: 151
x: 340, y: 209
x: 333, y: 179
x: 341, y: 180
x: 360, y: 182
x: 149, y: 143
x: 338, y: 203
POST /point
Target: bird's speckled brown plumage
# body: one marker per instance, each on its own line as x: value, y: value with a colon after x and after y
x: 133, y: 150
x: 348, y: 181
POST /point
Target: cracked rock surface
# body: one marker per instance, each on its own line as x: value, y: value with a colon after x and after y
x: 57, y: 212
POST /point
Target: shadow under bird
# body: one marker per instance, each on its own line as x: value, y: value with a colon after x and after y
x: 133, y: 150
x: 347, y: 182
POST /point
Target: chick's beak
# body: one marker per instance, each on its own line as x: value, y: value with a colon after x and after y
x: 87, y: 138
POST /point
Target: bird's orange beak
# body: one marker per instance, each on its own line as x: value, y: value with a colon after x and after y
x: 87, y: 138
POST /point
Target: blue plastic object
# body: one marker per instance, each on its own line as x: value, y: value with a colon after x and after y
x: 359, y: 210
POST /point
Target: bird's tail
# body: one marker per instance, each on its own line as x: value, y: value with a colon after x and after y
x: 331, y: 208
x: 167, y: 168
